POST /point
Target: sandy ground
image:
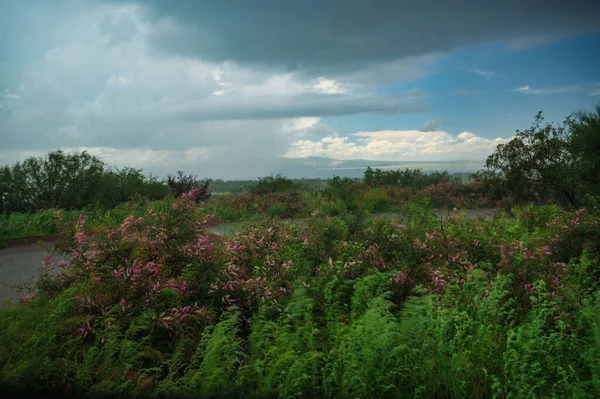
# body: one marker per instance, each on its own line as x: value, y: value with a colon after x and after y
x: 22, y: 262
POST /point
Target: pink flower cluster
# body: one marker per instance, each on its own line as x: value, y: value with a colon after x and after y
x: 26, y: 298
x: 403, y: 278
x: 84, y: 331
x: 137, y: 272
x: 94, y: 305
x: 176, y: 316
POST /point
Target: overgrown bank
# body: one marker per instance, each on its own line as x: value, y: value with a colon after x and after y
x: 324, y: 308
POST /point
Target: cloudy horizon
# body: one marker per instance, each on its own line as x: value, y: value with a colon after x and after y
x: 235, y: 88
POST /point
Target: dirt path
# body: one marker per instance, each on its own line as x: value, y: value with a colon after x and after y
x: 22, y: 262
x: 19, y: 264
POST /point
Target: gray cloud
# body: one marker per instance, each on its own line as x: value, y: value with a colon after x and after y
x: 431, y: 126
x: 275, y: 107
x: 106, y: 88
x: 488, y: 75
x: 231, y: 82
x: 323, y: 37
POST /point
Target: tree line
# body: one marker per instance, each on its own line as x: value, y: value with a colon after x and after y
x: 74, y: 181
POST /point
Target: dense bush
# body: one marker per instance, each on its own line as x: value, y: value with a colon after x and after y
x: 274, y: 184
x: 461, y: 195
x: 327, y: 307
x: 246, y: 206
x: 17, y: 225
x: 181, y: 184
x: 120, y: 185
x: 411, y: 178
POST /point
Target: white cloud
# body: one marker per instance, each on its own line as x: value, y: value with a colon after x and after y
x: 488, y: 75
x: 330, y: 86
x: 217, y: 77
x: 466, y: 136
x: 523, y: 89
x: 579, y: 87
x: 301, y: 124
x: 10, y: 94
x: 399, y: 145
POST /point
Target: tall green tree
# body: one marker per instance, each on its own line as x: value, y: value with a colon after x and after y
x: 585, y: 145
x: 547, y: 162
x: 59, y: 180
x: 72, y: 181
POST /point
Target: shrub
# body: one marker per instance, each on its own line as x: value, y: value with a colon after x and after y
x: 277, y: 184
x: 411, y: 178
x: 456, y: 195
x: 181, y: 184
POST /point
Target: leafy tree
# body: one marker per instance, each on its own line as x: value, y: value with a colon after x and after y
x: 369, y: 176
x: 59, y: 180
x: 585, y: 145
x: 547, y: 162
x: 119, y: 185
x: 71, y: 181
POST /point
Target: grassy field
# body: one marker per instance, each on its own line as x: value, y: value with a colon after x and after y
x: 336, y: 306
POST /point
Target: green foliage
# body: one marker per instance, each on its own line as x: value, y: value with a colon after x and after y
x: 120, y: 185
x: 59, y: 180
x: 284, y: 356
x: 18, y: 225
x: 364, y: 362
x: 274, y: 184
x: 411, y: 178
x: 585, y: 144
x: 221, y: 359
x: 71, y: 181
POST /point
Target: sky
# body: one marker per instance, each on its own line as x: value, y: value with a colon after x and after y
x: 231, y: 89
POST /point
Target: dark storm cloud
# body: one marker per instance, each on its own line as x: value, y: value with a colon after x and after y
x: 319, y: 36
x: 273, y: 107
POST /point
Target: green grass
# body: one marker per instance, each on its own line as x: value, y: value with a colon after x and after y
x: 19, y: 225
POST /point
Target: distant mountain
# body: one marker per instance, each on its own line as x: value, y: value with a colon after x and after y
x: 327, y: 167
x: 309, y: 167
